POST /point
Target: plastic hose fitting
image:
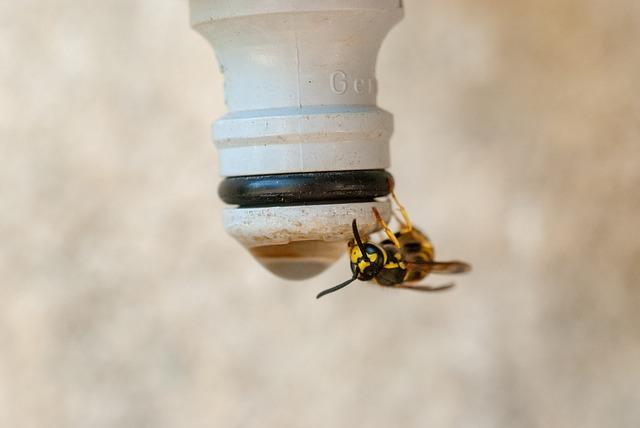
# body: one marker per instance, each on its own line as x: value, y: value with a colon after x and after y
x: 303, y: 147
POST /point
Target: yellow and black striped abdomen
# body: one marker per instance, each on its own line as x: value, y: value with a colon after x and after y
x: 415, y: 248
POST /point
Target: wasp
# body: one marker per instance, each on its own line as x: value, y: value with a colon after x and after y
x: 404, y: 258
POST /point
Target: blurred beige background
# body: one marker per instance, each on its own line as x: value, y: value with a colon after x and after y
x: 124, y: 304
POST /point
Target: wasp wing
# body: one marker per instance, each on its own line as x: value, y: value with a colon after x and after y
x: 453, y: 266
x: 426, y: 287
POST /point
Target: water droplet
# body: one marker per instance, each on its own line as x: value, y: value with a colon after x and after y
x: 299, y: 259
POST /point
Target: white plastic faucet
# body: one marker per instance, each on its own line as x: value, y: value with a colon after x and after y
x: 301, y: 92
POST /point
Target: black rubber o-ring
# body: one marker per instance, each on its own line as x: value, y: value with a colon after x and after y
x: 306, y: 188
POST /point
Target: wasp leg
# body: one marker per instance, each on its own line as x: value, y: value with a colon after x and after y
x: 397, y: 217
x: 388, y: 231
x: 407, y: 226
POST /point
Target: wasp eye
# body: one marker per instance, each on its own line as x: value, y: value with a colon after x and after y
x: 372, y: 251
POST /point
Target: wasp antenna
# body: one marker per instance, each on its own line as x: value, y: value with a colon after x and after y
x: 356, y: 235
x: 337, y: 287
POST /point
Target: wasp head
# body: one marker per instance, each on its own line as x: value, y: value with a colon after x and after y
x: 366, y: 265
x: 367, y: 260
